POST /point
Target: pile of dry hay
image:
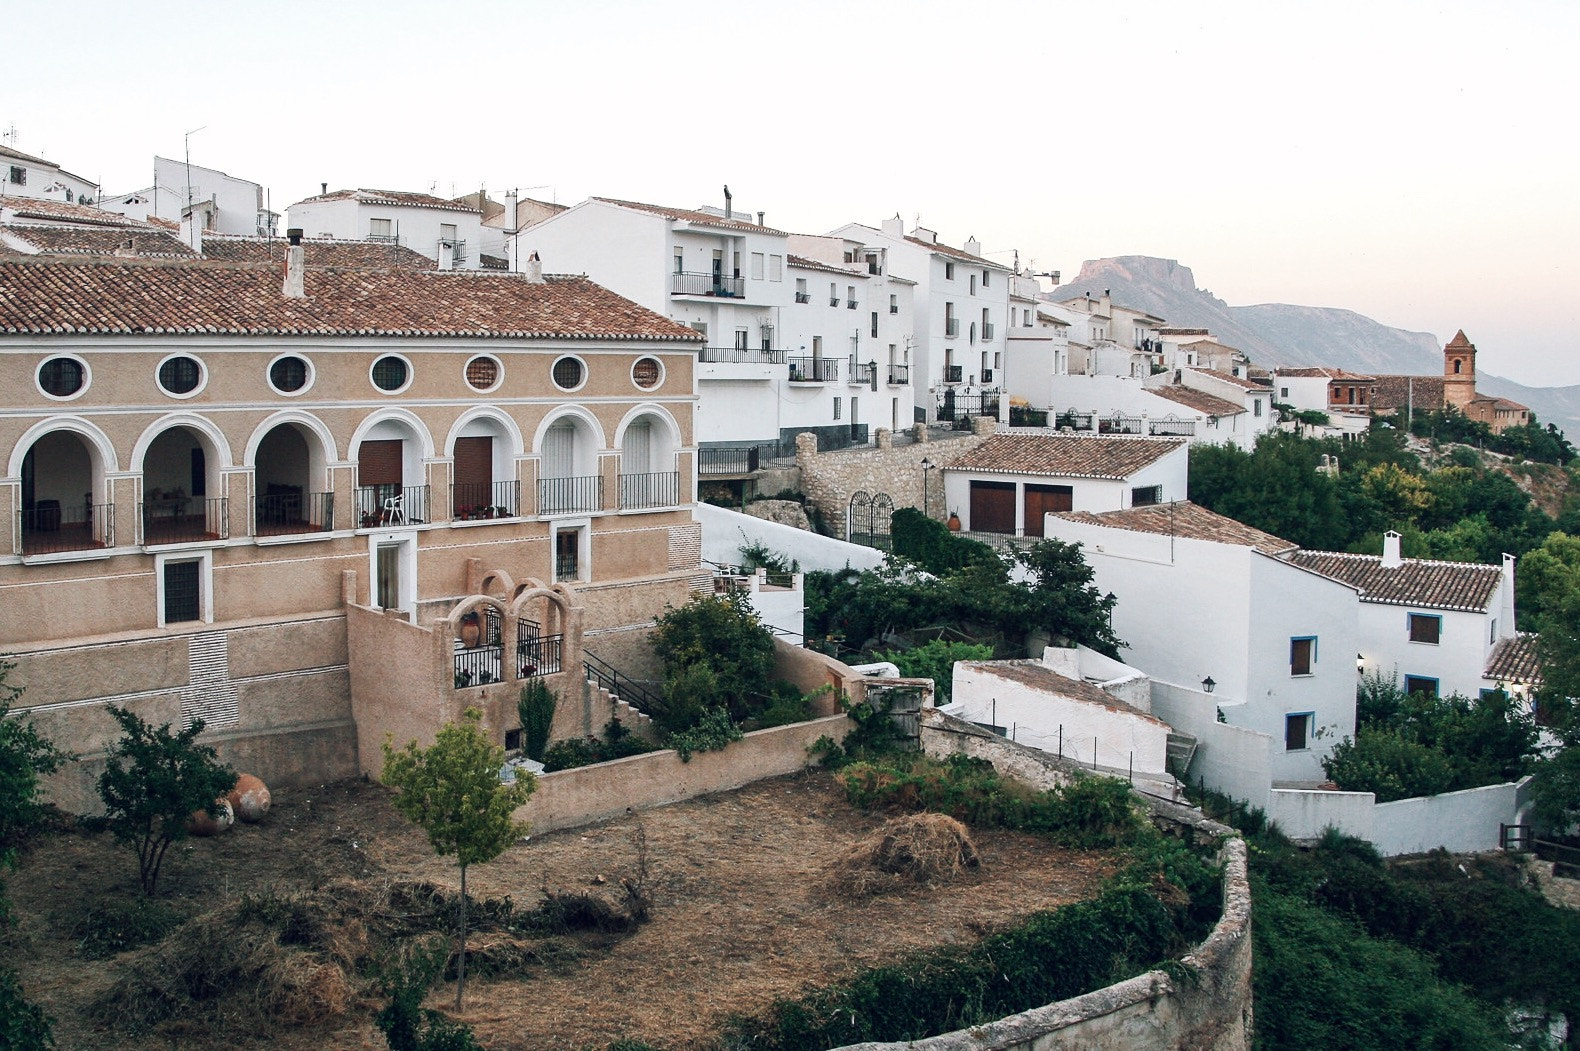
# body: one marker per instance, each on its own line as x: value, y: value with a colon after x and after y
x: 905, y: 851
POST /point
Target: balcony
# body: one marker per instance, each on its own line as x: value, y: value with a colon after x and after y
x: 958, y: 409
x: 288, y: 513
x: 472, y: 503
x: 1171, y: 427
x: 954, y: 373
x: 560, y: 496
x: 987, y: 332
x: 734, y: 461
x: 541, y: 654
x: 894, y: 308
x: 48, y: 528
x: 803, y: 297
x: 850, y: 304
x: 742, y: 355
x: 389, y: 504
x: 861, y: 372
x: 657, y: 489
x: 833, y: 301
x: 951, y: 327
x: 987, y: 375
x: 184, y: 519
x: 694, y: 284
x: 814, y: 370
x: 899, y: 375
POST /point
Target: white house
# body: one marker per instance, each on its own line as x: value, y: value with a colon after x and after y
x: 223, y: 203
x: 1036, y: 345
x: 29, y: 176
x: 1224, y: 623
x: 1432, y: 626
x: 1010, y: 482
x: 48, y: 227
x: 1124, y: 329
x: 962, y: 308
x: 1345, y: 397
x: 445, y: 231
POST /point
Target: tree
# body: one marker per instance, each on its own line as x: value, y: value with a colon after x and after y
x: 936, y: 661
x: 723, y: 634
x: 453, y: 791
x: 153, y: 782
x: 1062, y: 601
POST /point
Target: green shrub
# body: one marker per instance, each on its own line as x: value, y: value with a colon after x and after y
x: 113, y: 927
x: 936, y: 661
x: 23, y: 1025
x: 536, y: 711
x: 788, y: 705
x: 713, y: 732
x: 617, y: 743
x: 406, y: 1024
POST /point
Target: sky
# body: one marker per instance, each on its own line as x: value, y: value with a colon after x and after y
x: 1415, y: 162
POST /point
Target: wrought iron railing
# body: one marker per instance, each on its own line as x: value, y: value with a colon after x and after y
x: 480, y: 658
x: 1118, y: 424
x: 623, y: 686
x: 1173, y: 428
x: 177, y: 520
x: 475, y: 501
x: 803, y: 297
x: 558, y: 496
x: 655, y: 489
x: 567, y: 567
x: 862, y: 372
x: 693, y: 284
x: 962, y: 407
x: 899, y: 375
x: 742, y: 355
x: 390, y: 504
x: 734, y: 461
x: 537, y: 654
x: 47, y: 527
x: 814, y: 370
x: 1070, y: 419
x: 281, y: 514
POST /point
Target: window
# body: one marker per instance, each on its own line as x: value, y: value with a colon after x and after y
x: 767, y: 332
x: 1426, y: 628
x: 801, y: 295
x: 379, y: 230
x: 18, y: 175
x: 949, y: 271
x: 569, y: 373
x: 1302, y: 655
x: 837, y: 403
x: 180, y: 375
x: 985, y: 279
x: 647, y: 373
x: 447, y: 233
x: 973, y: 284
x: 850, y: 296
x: 894, y: 304
x: 289, y: 374
x: 62, y: 377
x: 391, y: 374
x: 833, y: 294
x: 742, y: 338
x: 680, y: 261
x: 1297, y: 731
x: 874, y: 324
x: 483, y: 373
x: 1256, y: 406
x: 1492, y: 632
x: 1283, y: 392
x: 757, y: 266
x: 735, y: 264
x: 776, y: 268
x: 817, y: 346
x: 1420, y: 684
x: 183, y: 595
x: 1146, y: 495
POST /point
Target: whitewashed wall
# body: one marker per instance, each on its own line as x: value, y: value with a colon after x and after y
x: 724, y: 532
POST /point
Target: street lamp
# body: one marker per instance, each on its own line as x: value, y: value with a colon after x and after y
x: 927, y: 466
x: 1208, y: 685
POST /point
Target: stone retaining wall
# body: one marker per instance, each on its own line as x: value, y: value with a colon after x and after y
x: 830, y: 478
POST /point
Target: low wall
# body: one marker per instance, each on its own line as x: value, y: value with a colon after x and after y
x: 725, y: 532
x: 568, y: 798
x: 1150, y: 1012
x: 1229, y: 759
x: 1461, y: 822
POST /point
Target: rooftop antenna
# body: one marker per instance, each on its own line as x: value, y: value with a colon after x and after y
x: 188, y: 143
x: 9, y: 136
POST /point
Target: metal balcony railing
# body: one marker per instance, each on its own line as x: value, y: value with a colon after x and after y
x: 281, y: 514
x: 833, y: 301
x: 694, y: 284
x: 953, y: 408
x: 47, y: 527
x: 558, y: 496
x: 1172, y: 427
x: 987, y: 332
x: 654, y: 489
x: 475, y: 502
x: 954, y: 373
x: 814, y: 370
x: 391, y: 504
x: 539, y: 654
x: 1118, y: 424
x: 894, y: 308
x: 734, y: 461
x: 899, y: 375
x: 850, y: 304
x: 566, y: 567
x: 803, y: 297
x: 184, y: 519
x: 742, y: 355
x: 861, y: 372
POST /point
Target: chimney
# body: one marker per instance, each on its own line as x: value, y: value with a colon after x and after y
x: 1391, y: 559
x: 729, y: 207
x: 1506, y: 612
x: 295, y: 264
x: 512, y: 206
x: 446, y: 255
x: 759, y: 218
x: 192, y: 229
x: 534, y: 270
x: 323, y: 188
x: 894, y: 227
x: 973, y: 246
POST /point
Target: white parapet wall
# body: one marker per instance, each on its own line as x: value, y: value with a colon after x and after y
x: 725, y: 532
x: 1467, y: 821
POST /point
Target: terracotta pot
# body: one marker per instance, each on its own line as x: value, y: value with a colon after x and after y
x: 954, y: 522
x: 471, y: 631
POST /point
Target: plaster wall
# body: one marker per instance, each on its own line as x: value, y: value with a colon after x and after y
x: 726, y: 532
x: 1456, y: 660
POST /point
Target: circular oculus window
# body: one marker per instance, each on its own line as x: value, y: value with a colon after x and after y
x: 483, y: 373
x: 569, y: 373
x: 391, y: 374
x: 290, y: 374
x: 180, y: 376
x: 63, y: 377
x: 647, y: 373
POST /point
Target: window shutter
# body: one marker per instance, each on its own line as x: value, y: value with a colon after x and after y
x: 380, y: 462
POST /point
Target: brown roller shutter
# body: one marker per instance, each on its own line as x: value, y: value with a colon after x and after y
x: 993, y: 507
x: 474, y: 472
x: 379, y: 462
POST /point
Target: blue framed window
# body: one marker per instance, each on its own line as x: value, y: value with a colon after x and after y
x: 1420, y: 684
x: 1426, y: 628
x: 1297, y: 731
x: 1302, y: 654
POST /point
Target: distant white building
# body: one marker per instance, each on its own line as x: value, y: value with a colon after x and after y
x: 220, y: 203
x: 1344, y: 397
x: 28, y: 176
x: 447, y: 232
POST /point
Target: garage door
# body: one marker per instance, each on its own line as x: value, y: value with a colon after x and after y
x: 993, y: 507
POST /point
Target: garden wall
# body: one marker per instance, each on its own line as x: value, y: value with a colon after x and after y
x: 829, y: 479
x: 725, y: 532
x: 568, y: 798
x: 1462, y: 822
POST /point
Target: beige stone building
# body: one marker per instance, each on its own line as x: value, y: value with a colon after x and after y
x: 315, y: 507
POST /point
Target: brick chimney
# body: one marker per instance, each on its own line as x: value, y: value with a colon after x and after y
x: 295, y: 265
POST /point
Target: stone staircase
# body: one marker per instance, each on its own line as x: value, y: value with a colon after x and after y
x: 1181, y: 750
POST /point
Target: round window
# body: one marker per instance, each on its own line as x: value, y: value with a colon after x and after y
x: 482, y: 373
x: 62, y: 377
x: 390, y: 373
x: 180, y: 375
x: 569, y: 373
x: 288, y: 374
x: 647, y: 373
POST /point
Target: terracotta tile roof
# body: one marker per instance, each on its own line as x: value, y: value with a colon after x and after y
x: 957, y: 253
x: 402, y: 198
x: 817, y: 264
x: 1039, y: 676
x: 690, y: 215
x: 1515, y: 660
x: 1201, y: 401
x: 166, y: 224
x: 18, y: 155
x: 60, y: 211
x: 1067, y: 455
x: 1171, y: 331
x: 59, y: 297
x: 1315, y: 371
x: 1466, y: 586
x: 1229, y: 377
x: 1184, y: 519
x: 1393, y: 392
x: 141, y: 242
x: 318, y: 251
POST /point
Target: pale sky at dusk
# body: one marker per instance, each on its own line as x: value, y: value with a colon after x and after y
x: 1416, y: 162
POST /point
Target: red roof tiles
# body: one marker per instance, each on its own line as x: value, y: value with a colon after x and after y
x: 1466, y: 586
x: 402, y: 198
x: 688, y: 215
x: 1184, y: 519
x: 1515, y: 660
x: 38, y: 208
x: 318, y: 252
x: 140, y: 242
x: 1068, y: 455
x: 1201, y: 401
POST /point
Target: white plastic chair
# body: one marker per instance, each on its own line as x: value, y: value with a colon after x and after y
x: 395, y: 509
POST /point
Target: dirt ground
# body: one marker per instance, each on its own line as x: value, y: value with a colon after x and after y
x: 742, y: 912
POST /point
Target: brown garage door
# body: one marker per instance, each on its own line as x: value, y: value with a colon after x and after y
x: 1045, y: 499
x: 993, y: 507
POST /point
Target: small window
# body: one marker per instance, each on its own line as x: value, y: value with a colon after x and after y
x: 379, y: 230
x: 874, y: 324
x: 1492, y: 631
x: 183, y: 591
x: 986, y: 278
x: 973, y: 284
x: 894, y: 304
x: 680, y: 261
x: 1414, y: 684
x: 62, y: 377
x: 391, y: 374
x: 1302, y: 655
x: 289, y: 374
x: 757, y: 266
x: 1256, y: 406
x: 482, y: 373
x: 1425, y: 628
x: 1283, y: 392
x: 569, y: 373
x: 776, y: 268
x: 1146, y: 495
x: 837, y: 403
x: 1297, y: 731
x: 180, y: 375
x: 647, y: 373
x: 18, y: 175
x: 949, y: 271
